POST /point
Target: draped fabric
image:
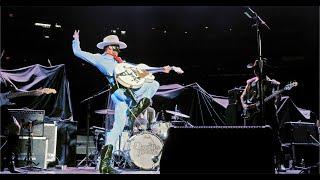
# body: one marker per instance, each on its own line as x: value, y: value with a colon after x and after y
x: 288, y: 111
x: 202, y: 107
x: 57, y: 106
x: 37, y: 76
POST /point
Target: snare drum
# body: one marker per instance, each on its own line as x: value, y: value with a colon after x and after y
x: 141, y: 148
x: 161, y: 129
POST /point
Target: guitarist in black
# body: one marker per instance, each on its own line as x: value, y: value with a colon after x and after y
x: 9, y: 128
x: 249, y: 99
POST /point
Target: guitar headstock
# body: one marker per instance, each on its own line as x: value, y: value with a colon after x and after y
x: 41, y: 91
x: 291, y: 85
x: 177, y: 70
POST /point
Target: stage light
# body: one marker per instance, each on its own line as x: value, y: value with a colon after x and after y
x: 47, y: 37
x: 123, y: 32
x: 43, y: 25
x: 113, y: 31
x: 206, y: 27
x: 57, y: 26
x: 165, y: 31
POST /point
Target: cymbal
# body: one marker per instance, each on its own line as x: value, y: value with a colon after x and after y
x: 177, y: 114
x: 104, y: 111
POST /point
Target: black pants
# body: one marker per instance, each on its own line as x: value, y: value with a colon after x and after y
x: 270, y: 118
x: 9, y: 152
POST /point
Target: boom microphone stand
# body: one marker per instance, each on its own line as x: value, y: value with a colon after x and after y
x: 258, y: 22
x: 88, y: 117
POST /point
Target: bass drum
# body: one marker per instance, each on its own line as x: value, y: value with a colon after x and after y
x: 141, y: 148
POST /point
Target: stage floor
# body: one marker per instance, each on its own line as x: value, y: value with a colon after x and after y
x: 91, y: 170
x: 79, y: 170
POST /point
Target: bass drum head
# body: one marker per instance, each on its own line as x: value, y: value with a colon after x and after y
x: 142, y: 148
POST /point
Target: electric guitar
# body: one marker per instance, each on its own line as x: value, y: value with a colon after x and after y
x: 248, y: 113
x: 5, y: 97
x: 134, y: 76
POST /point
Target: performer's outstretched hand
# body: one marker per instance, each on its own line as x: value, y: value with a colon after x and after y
x: 166, y: 69
x: 76, y: 34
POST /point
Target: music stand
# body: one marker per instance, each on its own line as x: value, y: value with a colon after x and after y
x: 31, y: 124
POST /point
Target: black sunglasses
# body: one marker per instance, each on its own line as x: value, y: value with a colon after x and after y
x: 115, y: 48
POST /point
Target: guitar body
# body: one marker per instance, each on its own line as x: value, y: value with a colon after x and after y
x: 249, y: 114
x: 131, y: 76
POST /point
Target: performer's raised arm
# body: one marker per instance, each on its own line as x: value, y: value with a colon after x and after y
x: 89, y: 57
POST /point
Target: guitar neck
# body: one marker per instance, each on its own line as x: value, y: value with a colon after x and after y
x: 154, y: 70
x: 20, y: 94
x: 271, y: 96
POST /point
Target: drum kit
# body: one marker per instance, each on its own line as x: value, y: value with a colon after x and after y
x: 142, y: 146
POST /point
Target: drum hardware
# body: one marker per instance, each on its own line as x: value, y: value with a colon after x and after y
x: 104, y: 111
x: 160, y: 129
x: 94, y: 156
x: 177, y: 116
x: 118, y: 155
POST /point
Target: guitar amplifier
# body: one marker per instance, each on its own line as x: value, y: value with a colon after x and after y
x: 82, y: 144
x: 50, y: 132
x: 25, y: 116
x: 299, y: 133
x: 39, y: 151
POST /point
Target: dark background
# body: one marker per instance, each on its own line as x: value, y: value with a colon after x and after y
x: 215, y: 57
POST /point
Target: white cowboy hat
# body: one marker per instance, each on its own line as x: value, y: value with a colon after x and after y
x: 111, y: 40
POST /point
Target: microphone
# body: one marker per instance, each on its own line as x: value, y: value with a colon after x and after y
x: 256, y: 16
x: 155, y: 159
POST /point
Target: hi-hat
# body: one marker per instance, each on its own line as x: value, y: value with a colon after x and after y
x: 177, y: 114
x: 104, y: 111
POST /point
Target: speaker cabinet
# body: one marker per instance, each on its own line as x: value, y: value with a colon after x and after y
x: 218, y: 149
x: 39, y: 149
x: 50, y: 132
x: 82, y: 144
x: 302, y: 138
x: 299, y: 132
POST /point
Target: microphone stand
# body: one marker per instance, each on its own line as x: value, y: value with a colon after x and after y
x: 258, y: 21
x: 87, y: 123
